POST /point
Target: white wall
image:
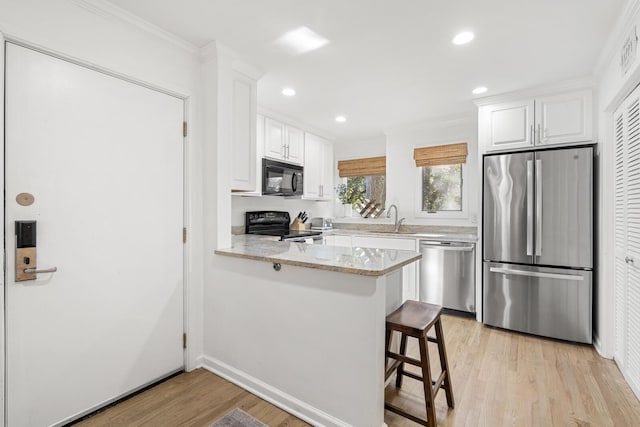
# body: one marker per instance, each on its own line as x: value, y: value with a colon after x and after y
x: 403, y: 184
x: 612, y: 87
x: 371, y: 147
x: 96, y: 33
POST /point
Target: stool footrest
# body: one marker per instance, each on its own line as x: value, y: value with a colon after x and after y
x: 432, y: 339
x: 412, y: 375
x: 405, y: 414
x: 437, y: 384
x: 405, y: 359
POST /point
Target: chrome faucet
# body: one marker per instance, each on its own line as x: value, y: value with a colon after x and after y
x: 397, y: 223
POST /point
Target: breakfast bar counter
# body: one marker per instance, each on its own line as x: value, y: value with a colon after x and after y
x: 303, y: 326
x: 361, y: 261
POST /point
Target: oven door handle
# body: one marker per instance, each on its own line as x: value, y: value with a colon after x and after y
x: 294, y: 182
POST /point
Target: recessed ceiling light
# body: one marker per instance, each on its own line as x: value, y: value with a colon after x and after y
x: 341, y: 119
x: 287, y: 91
x: 463, y: 38
x: 301, y: 40
x: 479, y: 90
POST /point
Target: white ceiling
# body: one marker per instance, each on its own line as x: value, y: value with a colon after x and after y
x: 392, y: 62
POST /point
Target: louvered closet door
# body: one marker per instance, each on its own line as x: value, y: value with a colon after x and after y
x: 632, y: 174
x: 627, y: 237
x: 620, y: 239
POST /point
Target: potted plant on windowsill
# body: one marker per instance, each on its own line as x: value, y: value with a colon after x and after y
x: 351, y: 196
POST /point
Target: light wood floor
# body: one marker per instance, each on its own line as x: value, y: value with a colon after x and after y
x: 499, y: 379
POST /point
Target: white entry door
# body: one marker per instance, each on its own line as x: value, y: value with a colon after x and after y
x: 103, y: 160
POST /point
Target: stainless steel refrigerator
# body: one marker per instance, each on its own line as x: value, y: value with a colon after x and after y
x: 538, y: 242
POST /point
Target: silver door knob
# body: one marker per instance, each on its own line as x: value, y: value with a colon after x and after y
x: 628, y: 260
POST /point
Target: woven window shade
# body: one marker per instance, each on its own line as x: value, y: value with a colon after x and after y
x: 363, y: 167
x: 451, y: 154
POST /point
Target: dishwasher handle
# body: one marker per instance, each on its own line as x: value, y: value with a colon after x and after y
x: 448, y: 246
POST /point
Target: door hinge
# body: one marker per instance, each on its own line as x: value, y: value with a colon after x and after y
x: 184, y: 129
x: 184, y: 340
x: 184, y: 235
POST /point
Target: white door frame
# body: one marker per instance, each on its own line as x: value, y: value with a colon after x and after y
x: 188, y: 357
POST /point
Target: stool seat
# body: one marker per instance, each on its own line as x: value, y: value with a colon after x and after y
x: 414, y: 317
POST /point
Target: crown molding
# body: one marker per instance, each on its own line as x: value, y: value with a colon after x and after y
x: 627, y: 17
x: 215, y: 49
x: 110, y: 11
x: 540, y: 90
x: 267, y: 112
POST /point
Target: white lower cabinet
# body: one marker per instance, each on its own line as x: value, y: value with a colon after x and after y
x: 409, y: 272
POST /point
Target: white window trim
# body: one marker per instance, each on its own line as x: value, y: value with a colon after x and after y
x: 463, y: 214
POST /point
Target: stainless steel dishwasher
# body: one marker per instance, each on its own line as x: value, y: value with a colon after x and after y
x: 447, y: 275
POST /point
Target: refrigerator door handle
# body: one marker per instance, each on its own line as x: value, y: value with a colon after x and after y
x: 530, y: 207
x: 536, y: 274
x: 538, y: 207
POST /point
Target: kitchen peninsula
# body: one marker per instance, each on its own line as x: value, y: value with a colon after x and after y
x: 303, y: 325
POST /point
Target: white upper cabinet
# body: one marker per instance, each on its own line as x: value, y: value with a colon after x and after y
x: 294, y: 138
x: 244, y: 171
x: 508, y: 125
x: 274, y: 146
x: 318, y: 169
x: 564, y: 118
x: 328, y: 171
x: 312, y: 170
x: 283, y: 142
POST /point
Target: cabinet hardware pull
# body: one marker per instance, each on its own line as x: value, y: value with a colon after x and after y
x: 539, y: 133
x: 533, y: 135
x: 539, y: 274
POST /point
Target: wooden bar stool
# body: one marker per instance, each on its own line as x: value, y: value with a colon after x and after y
x: 414, y: 319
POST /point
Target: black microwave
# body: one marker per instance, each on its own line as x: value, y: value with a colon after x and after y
x: 281, y: 179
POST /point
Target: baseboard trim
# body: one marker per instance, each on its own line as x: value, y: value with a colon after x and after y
x: 598, y: 346
x: 277, y: 397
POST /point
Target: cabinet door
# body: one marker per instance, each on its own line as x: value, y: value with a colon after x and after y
x: 337, y: 240
x: 627, y: 238
x: 507, y: 126
x: 344, y: 241
x: 329, y: 240
x: 327, y: 171
x: 564, y: 118
x: 294, y: 145
x: 409, y: 274
x: 274, y: 139
x: 244, y: 171
x: 312, y: 170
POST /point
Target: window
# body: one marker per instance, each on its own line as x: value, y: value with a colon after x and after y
x: 441, y: 170
x: 371, y: 187
x: 364, y: 184
x: 442, y: 188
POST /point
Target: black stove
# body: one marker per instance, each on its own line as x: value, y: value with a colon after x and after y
x: 274, y: 223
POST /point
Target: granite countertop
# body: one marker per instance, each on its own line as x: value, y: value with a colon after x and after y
x: 362, y: 261
x: 441, y: 233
